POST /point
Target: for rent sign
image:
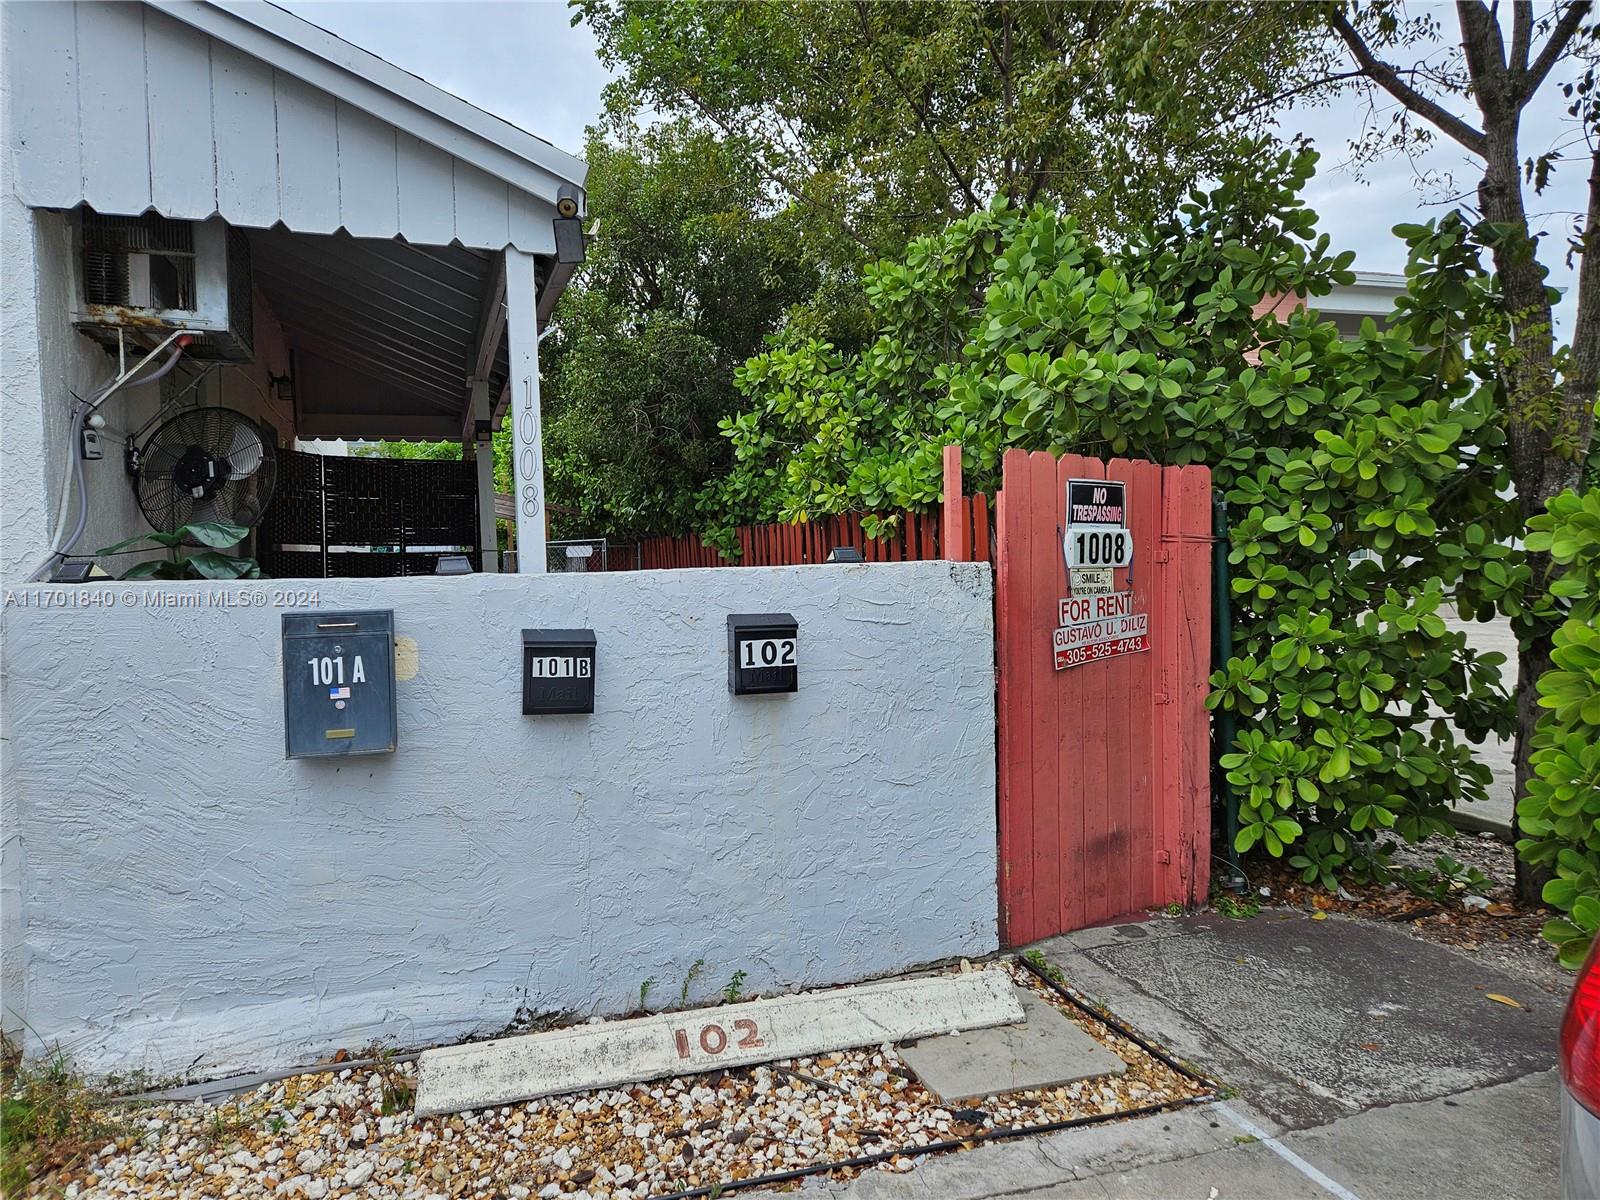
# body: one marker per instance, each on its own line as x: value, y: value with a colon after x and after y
x: 1098, y: 627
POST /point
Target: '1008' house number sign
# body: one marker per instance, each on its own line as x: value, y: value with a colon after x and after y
x: 1096, y: 622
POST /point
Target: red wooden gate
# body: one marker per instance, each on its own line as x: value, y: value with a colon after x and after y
x: 1103, y: 789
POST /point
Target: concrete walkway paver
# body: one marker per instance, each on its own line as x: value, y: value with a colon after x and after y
x: 1046, y: 1051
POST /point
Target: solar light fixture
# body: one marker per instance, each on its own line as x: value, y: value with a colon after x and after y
x: 72, y: 570
x: 845, y: 554
x: 453, y: 564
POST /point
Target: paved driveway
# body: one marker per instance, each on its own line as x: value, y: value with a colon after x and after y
x: 1361, y: 1062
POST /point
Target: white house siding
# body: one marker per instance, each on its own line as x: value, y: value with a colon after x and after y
x: 189, y: 896
x: 127, y: 109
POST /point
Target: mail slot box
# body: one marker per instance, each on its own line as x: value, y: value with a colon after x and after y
x: 338, y: 684
x: 762, y: 654
x: 557, y: 671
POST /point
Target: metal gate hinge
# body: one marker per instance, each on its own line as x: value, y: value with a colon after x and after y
x: 1163, y: 697
x: 1163, y: 856
x: 1163, y: 556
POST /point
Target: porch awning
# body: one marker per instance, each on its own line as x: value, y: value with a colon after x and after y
x: 385, y: 335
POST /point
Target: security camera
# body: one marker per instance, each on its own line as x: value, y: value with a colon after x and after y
x: 567, y: 200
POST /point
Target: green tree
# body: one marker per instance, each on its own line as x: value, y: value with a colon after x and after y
x: 425, y: 451
x: 1364, y: 476
x: 881, y: 121
x: 692, y: 268
x: 1473, y: 86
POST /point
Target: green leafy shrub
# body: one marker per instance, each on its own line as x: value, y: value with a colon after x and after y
x: 1365, y: 476
x: 202, y: 564
x: 1560, y: 815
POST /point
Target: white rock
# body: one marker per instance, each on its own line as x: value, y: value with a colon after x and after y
x: 309, y: 1160
x: 549, y: 1190
x: 358, y: 1174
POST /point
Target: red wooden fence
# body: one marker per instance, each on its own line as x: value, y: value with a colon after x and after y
x: 920, y: 536
x: 1104, y: 802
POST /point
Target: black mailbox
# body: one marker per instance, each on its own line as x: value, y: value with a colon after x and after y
x: 557, y: 671
x: 762, y: 655
x: 338, y: 684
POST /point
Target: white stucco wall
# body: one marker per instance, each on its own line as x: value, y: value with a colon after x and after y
x: 190, y: 897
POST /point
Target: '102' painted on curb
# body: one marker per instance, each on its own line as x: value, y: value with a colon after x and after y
x: 714, y: 1038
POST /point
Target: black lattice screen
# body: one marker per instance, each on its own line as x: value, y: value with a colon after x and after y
x: 358, y: 517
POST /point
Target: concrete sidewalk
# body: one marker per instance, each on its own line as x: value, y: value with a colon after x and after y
x: 1358, y: 1061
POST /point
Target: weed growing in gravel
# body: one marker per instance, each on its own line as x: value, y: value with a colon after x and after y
x: 50, y: 1118
x: 1037, y: 960
x: 399, y: 1089
x: 1235, y: 908
x: 735, y: 987
x: 688, y: 980
x: 227, y: 1121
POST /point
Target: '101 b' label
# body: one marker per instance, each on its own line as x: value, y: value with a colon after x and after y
x: 560, y: 667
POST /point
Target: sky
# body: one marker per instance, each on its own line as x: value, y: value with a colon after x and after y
x: 524, y: 60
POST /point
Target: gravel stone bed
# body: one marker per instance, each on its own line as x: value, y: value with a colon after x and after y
x: 327, y: 1135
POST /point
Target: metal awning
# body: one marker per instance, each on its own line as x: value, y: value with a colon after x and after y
x: 385, y: 335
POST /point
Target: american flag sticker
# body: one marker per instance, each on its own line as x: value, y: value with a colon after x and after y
x: 339, y: 693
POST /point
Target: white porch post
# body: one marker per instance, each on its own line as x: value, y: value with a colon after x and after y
x: 483, y: 452
x: 527, y: 458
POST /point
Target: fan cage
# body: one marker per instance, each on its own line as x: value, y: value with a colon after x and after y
x: 238, y: 451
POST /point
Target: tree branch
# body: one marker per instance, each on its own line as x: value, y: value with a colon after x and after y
x: 1560, y: 38
x: 1298, y: 90
x: 1521, y: 36
x: 1389, y: 80
x: 918, y: 112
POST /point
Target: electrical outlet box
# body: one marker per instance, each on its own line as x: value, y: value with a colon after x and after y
x: 338, y: 684
x: 557, y: 671
x: 763, y: 654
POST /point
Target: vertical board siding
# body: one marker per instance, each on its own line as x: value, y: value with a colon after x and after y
x: 177, y: 65
x: 369, y: 186
x: 112, y: 120
x: 244, y: 117
x: 125, y: 108
x: 308, y: 156
x: 482, y: 206
x: 427, y: 191
x: 44, y: 100
x: 1103, y: 789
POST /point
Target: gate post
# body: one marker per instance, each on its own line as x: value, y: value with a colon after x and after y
x: 953, y: 531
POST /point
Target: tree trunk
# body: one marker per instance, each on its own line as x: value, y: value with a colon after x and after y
x: 1548, y: 429
x: 1533, y: 403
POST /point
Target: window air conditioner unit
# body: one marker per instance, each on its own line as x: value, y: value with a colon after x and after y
x: 150, y: 275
